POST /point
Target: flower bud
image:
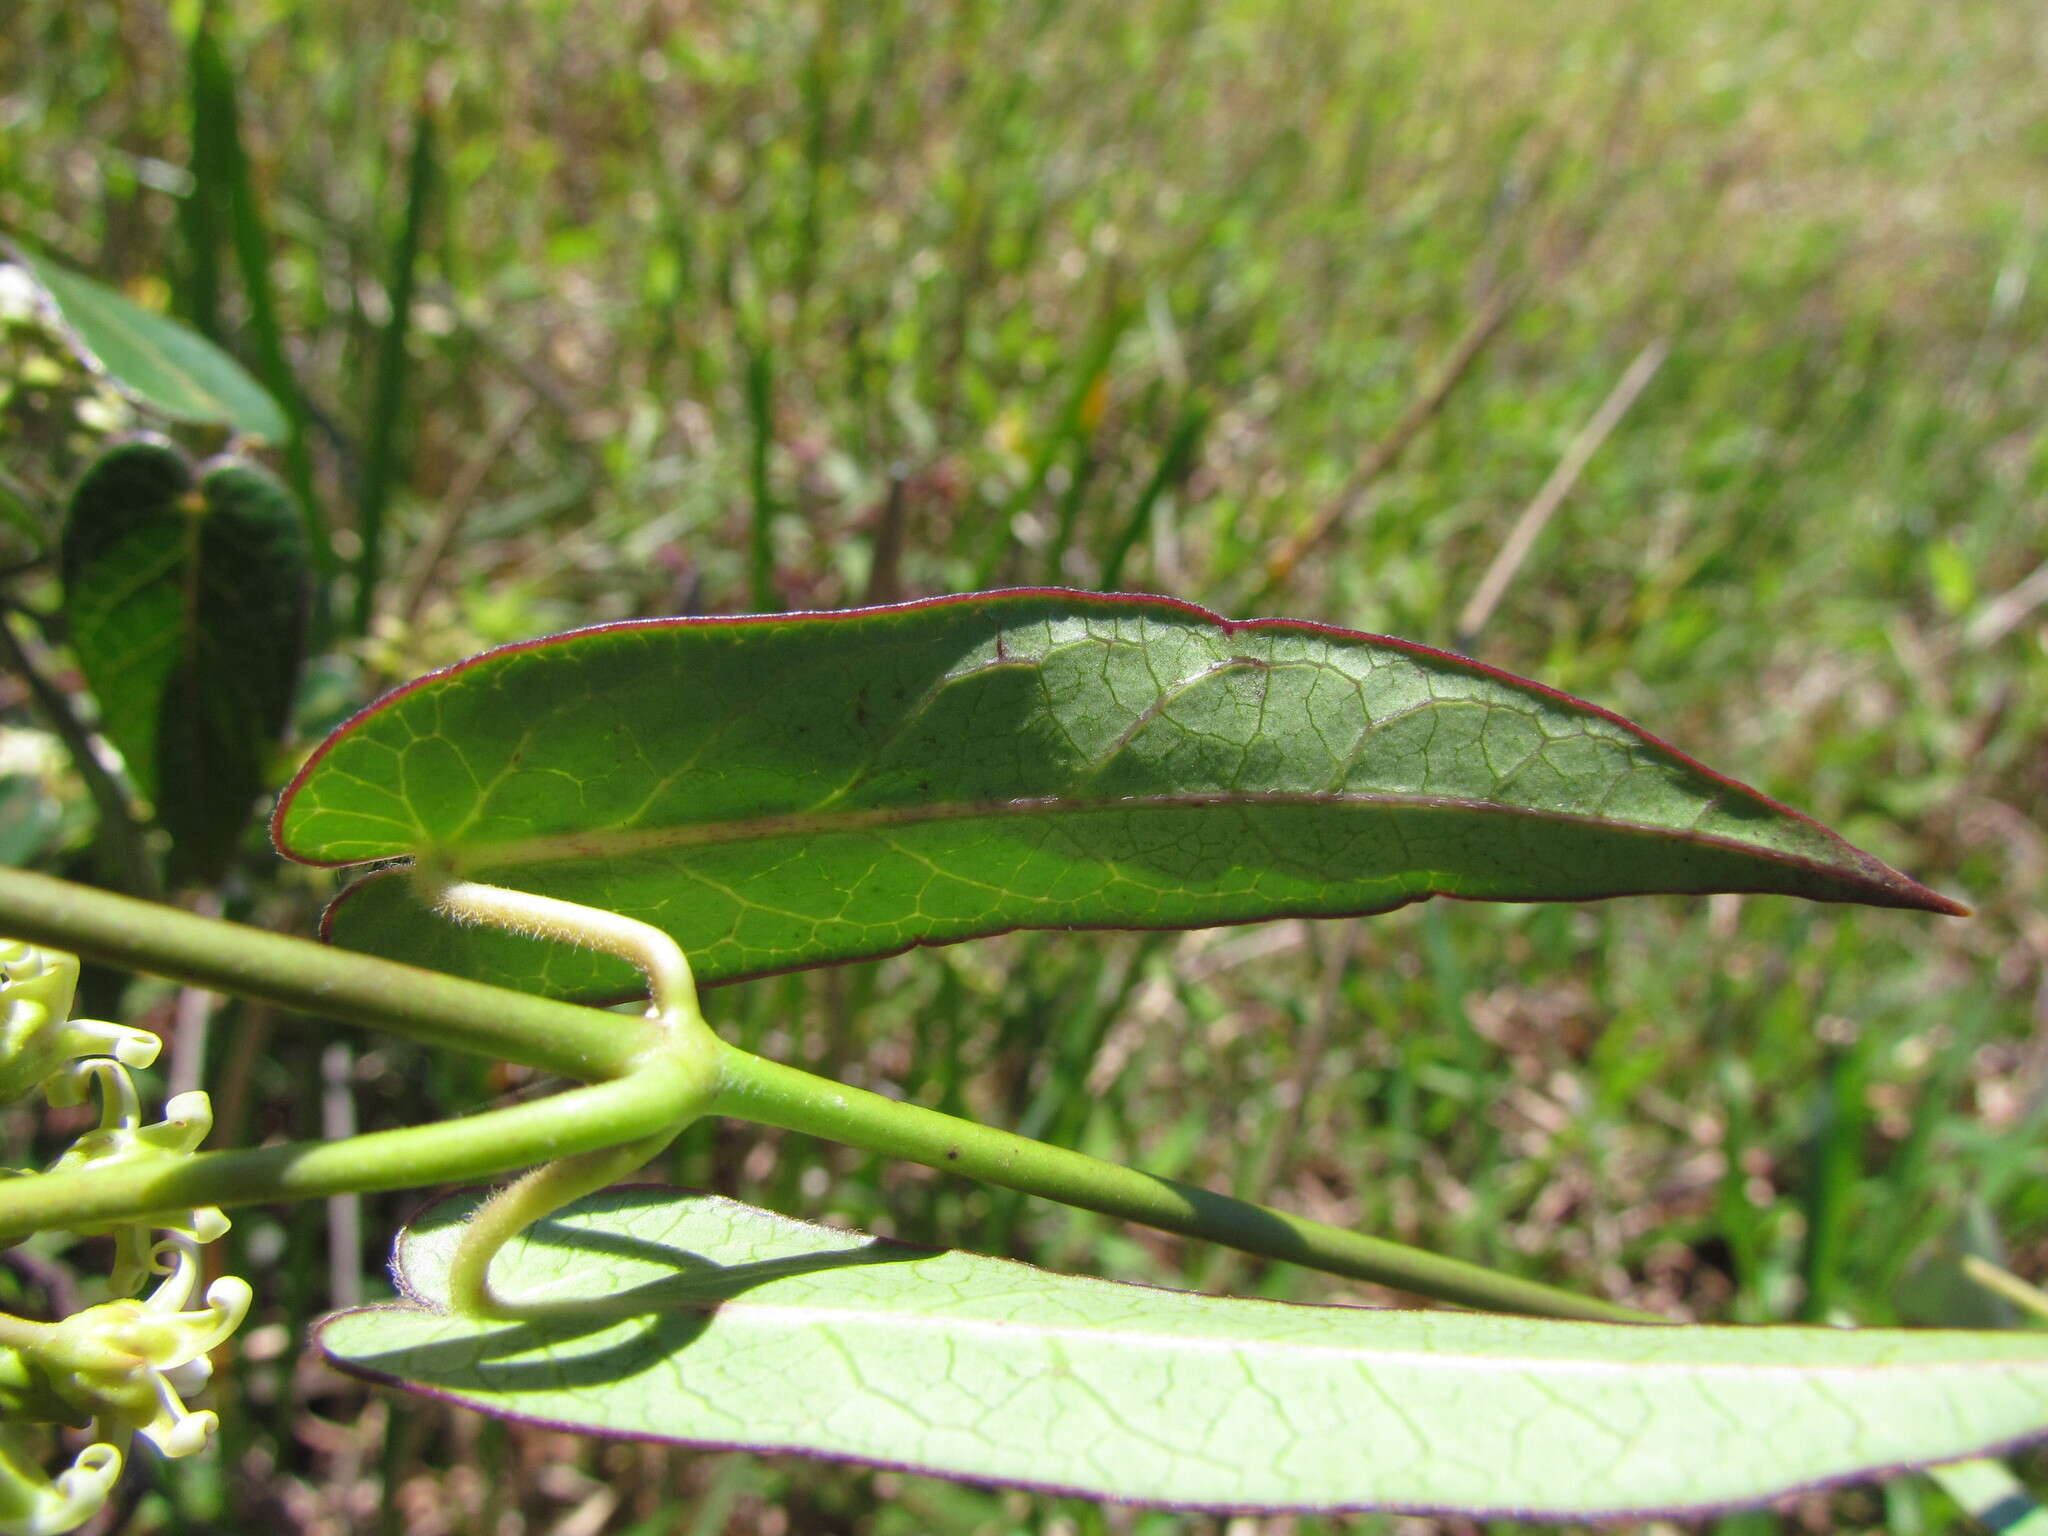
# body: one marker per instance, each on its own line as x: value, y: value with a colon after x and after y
x: 38, y: 1037
x: 34, y: 1505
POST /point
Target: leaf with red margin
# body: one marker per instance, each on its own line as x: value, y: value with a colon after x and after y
x: 785, y: 791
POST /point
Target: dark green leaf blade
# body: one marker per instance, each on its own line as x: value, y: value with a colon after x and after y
x: 790, y: 791
x: 186, y: 599
x: 760, y: 1331
x: 154, y: 358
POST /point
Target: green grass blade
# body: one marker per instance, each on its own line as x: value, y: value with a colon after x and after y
x: 1183, y: 447
x: 1992, y: 1497
x: 1080, y: 471
x: 665, y: 1315
x: 1070, y: 426
x: 760, y: 383
x: 820, y: 70
x: 787, y: 792
x: 202, y: 214
x: 213, y: 78
x: 2009, y: 1287
x: 387, y: 400
x: 1836, y: 1165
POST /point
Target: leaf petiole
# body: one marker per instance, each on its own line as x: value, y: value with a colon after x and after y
x: 671, y: 988
x: 685, y: 1048
x: 528, y: 1199
x: 753, y: 1088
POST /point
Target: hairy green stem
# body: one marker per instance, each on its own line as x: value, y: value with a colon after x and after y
x: 753, y: 1088
x: 298, y: 973
x: 686, y: 1049
x: 523, y: 1202
x: 671, y: 986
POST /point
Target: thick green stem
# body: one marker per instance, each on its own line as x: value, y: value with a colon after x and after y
x: 649, y: 1102
x: 752, y: 1088
x: 297, y: 973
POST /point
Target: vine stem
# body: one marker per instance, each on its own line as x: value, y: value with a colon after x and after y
x: 753, y: 1088
x: 654, y: 1090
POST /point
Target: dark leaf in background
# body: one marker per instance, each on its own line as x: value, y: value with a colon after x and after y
x: 186, y: 597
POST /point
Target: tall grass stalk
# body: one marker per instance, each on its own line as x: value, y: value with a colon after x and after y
x: 381, y: 469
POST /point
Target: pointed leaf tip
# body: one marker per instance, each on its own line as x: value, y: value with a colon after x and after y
x: 784, y: 791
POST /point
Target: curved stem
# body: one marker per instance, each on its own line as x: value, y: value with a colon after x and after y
x: 685, y: 1049
x: 519, y: 1205
x: 671, y: 988
x: 656, y: 1089
x: 312, y: 978
x: 753, y: 1088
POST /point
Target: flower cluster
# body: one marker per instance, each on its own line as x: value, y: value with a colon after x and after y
x: 124, y: 1367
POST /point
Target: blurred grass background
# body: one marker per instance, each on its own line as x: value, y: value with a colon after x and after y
x: 1275, y: 305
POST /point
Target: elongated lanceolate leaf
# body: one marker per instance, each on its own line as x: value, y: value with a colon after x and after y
x: 780, y: 792
x: 186, y: 596
x: 760, y: 1331
x: 154, y: 358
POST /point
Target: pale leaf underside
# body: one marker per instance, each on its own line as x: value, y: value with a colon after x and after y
x: 761, y: 1331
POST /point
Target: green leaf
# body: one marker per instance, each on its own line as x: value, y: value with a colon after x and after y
x: 790, y: 791
x: 154, y: 358
x: 186, y: 599
x: 756, y: 1330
